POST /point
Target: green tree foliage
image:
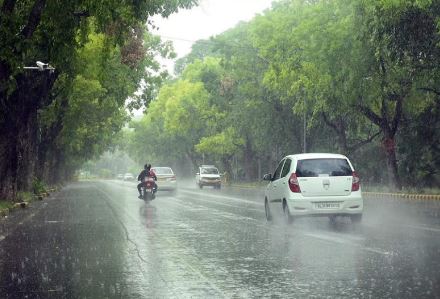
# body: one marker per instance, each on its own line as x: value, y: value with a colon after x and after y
x: 100, y: 53
x: 363, y: 74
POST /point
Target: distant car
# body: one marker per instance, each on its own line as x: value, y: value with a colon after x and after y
x: 208, y: 175
x: 120, y: 176
x: 166, y: 179
x: 314, y: 185
x: 128, y: 177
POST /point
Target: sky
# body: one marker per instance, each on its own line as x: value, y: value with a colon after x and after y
x: 210, y: 18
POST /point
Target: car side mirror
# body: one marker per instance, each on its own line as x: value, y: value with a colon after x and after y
x: 267, y: 177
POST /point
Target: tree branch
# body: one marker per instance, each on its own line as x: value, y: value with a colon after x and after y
x: 397, y: 116
x: 428, y: 89
x: 371, y: 115
x: 34, y: 19
x: 8, y: 6
x: 328, y: 122
x: 83, y: 13
x: 358, y: 145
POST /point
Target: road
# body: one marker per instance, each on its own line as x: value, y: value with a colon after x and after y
x: 97, y: 240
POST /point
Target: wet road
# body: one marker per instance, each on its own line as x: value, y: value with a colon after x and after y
x: 97, y: 240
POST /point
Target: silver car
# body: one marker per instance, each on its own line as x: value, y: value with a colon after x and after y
x: 166, y: 179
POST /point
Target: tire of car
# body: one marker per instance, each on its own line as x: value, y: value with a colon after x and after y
x: 356, y: 218
x: 218, y: 186
x: 267, y: 210
x: 200, y: 186
x: 287, y: 216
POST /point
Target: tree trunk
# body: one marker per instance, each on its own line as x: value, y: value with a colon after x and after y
x: 8, y: 162
x: 192, y: 159
x: 250, y: 165
x: 19, y: 129
x: 392, y: 168
x: 226, y: 161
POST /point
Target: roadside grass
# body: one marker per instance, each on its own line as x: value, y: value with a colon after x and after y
x: 25, y: 196
x: 6, y: 204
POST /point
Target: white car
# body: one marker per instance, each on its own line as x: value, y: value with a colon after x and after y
x: 128, y: 177
x: 208, y: 175
x: 166, y: 179
x: 314, y: 185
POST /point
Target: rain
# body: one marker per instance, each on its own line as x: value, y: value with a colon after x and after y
x: 219, y: 149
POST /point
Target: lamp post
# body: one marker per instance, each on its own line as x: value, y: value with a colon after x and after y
x: 40, y: 67
x: 305, y: 127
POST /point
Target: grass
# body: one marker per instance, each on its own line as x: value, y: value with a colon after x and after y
x: 25, y: 196
x: 6, y: 204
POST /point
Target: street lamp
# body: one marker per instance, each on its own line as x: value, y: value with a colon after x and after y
x: 305, y: 126
x: 40, y: 67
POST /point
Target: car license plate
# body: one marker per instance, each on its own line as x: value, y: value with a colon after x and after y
x: 327, y: 205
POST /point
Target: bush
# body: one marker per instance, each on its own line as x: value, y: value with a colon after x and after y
x: 38, y: 186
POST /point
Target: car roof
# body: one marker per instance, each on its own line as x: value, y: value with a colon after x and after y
x: 316, y: 156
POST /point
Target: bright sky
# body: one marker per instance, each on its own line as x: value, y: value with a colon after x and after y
x: 211, y: 17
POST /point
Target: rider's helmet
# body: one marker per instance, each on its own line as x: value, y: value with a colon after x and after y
x: 147, y: 166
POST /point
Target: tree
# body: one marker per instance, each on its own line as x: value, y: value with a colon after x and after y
x: 52, y: 31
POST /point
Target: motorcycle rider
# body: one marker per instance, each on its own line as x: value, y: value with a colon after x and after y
x: 147, y: 172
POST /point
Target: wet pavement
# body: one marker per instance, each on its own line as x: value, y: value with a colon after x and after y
x: 97, y: 240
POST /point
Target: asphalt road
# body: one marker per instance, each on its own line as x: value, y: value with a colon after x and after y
x: 97, y: 240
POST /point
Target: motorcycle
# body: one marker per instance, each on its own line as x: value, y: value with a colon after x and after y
x: 148, y: 189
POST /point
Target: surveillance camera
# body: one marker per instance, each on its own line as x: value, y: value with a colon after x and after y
x: 42, y: 66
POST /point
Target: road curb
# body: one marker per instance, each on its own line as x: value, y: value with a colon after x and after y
x: 405, y: 196
x: 243, y: 187
x: 376, y: 195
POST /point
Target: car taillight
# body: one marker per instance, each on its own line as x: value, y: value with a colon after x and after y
x: 356, y: 182
x: 294, y: 184
x: 173, y: 178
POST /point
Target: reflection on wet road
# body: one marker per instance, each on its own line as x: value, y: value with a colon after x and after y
x: 97, y: 240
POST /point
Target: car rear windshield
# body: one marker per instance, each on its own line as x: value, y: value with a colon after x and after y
x: 323, y: 167
x: 162, y: 170
x: 210, y: 170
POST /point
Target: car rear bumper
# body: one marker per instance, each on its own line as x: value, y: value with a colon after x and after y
x: 210, y: 182
x: 331, y: 206
x: 166, y: 185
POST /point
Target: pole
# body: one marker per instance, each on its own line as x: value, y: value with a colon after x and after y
x: 305, y: 127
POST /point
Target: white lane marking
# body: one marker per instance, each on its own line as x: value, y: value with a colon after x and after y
x: 339, y: 240
x: 54, y: 221
x: 212, y: 284
x: 225, y: 197
x: 214, y: 211
x: 2, y: 237
x: 222, y: 204
x: 317, y: 236
x: 328, y: 238
x: 419, y: 227
x: 422, y: 227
